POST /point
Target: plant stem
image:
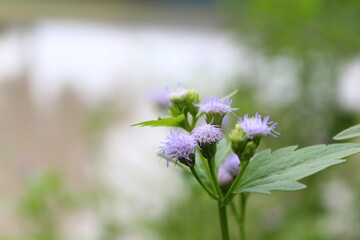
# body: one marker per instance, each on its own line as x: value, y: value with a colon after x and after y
x: 229, y: 195
x: 241, y: 220
x: 223, y: 221
x: 214, y: 177
x: 201, y: 182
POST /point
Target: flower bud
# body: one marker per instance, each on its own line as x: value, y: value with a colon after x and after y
x: 249, y: 151
x: 228, y: 171
x: 238, y: 140
x: 224, y: 179
x: 182, y: 102
x: 192, y: 99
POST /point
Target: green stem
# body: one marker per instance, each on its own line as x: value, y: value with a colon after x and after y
x: 214, y: 177
x: 202, y: 183
x: 223, y: 221
x: 229, y: 195
x: 241, y: 220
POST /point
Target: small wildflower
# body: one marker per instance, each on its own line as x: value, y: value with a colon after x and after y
x: 207, y: 134
x: 216, y: 105
x: 231, y: 164
x: 179, y: 146
x: 215, y: 109
x: 224, y: 178
x: 255, y: 126
x: 228, y: 170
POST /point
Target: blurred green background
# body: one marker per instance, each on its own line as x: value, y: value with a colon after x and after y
x: 75, y: 74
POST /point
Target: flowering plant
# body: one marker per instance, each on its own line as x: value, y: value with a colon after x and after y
x: 229, y: 167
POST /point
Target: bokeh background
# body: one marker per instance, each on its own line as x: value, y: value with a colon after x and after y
x: 74, y: 75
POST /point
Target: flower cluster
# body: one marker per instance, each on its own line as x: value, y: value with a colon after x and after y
x: 181, y: 146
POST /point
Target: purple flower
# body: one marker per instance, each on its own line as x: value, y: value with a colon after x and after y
x: 224, y: 178
x: 231, y: 164
x: 216, y: 105
x: 207, y: 133
x: 228, y: 170
x: 255, y: 126
x: 178, y: 146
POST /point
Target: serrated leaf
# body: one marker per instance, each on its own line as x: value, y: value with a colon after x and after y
x: 282, y: 169
x: 351, y: 132
x: 164, y: 122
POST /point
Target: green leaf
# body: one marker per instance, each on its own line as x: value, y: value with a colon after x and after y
x: 282, y: 169
x: 223, y: 150
x: 231, y: 94
x: 351, y: 132
x: 164, y: 122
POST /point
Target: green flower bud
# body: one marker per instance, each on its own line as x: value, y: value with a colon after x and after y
x: 214, y: 118
x: 238, y: 140
x: 249, y: 151
x: 243, y: 146
x: 182, y: 102
x: 174, y: 110
x: 191, y: 99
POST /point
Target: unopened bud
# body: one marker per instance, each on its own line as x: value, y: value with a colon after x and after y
x: 238, y: 140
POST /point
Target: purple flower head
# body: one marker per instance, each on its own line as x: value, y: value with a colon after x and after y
x: 231, y: 164
x: 216, y: 105
x: 178, y: 146
x: 207, y: 133
x: 255, y: 126
x: 224, y: 177
x: 228, y: 170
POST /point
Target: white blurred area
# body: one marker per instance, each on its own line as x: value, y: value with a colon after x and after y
x: 53, y: 72
x: 94, y: 59
x: 99, y: 62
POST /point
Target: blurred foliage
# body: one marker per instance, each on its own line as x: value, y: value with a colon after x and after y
x: 48, y: 199
x: 298, y: 27
x: 97, y: 122
x: 319, y: 36
x: 45, y: 200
